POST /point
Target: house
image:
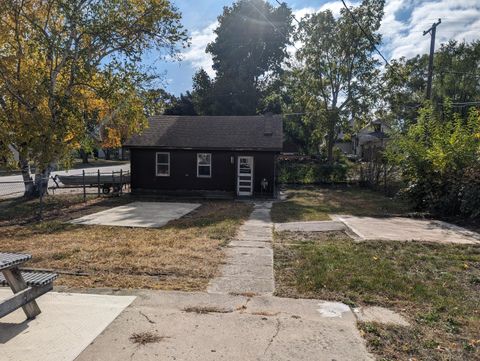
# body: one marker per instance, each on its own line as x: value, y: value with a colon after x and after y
x: 371, y: 139
x: 366, y: 143
x: 206, y: 155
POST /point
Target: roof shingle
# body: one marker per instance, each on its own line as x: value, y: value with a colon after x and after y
x: 211, y: 132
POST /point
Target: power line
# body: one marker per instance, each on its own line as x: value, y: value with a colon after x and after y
x: 474, y: 75
x: 293, y: 16
x: 372, y: 42
x: 464, y: 103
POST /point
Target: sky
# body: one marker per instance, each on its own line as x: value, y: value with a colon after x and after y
x: 402, y: 30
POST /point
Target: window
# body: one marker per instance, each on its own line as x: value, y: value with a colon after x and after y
x: 204, y: 165
x: 163, y: 164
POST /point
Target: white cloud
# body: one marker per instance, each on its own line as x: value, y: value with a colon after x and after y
x: 460, y: 21
x: 196, y: 54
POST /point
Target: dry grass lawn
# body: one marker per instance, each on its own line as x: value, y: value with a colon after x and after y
x: 315, y: 203
x: 183, y: 255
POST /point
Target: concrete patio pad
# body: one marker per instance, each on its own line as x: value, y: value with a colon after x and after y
x: 201, y: 326
x: 67, y: 325
x: 139, y: 214
x: 408, y: 229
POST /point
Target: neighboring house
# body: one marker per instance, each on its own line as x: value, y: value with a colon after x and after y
x: 206, y: 155
x: 344, y: 144
x: 367, y: 142
x: 371, y: 139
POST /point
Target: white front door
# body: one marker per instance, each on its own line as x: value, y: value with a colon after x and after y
x: 245, y: 176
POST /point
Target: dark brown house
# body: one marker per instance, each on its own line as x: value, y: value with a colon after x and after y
x: 207, y: 155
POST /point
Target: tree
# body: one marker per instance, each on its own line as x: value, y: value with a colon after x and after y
x: 335, y: 76
x: 202, y: 93
x: 58, y: 56
x: 455, y: 77
x: 183, y: 105
x: 438, y: 157
x: 156, y: 101
x: 251, y: 43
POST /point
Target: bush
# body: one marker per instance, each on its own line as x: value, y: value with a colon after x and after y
x: 439, y: 160
x: 311, y: 172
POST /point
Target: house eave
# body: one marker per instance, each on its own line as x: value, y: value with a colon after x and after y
x: 231, y: 149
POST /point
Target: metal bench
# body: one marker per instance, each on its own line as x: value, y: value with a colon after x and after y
x: 33, y: 279
x: 26, y: 286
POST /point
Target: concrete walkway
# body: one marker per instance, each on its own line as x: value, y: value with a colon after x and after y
x: 249, y: 262
x: 211, y: 327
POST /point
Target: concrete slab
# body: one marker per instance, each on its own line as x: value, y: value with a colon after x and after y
x: 139, y: 214
x: 315, y: 226
x: 236, y: 329
x: 254, y: 244
x: 409, y: 229
x: 380, y: 315
x: 247, y: 261
x: 253, y: 270
x: 258, y: 284
x: 248, y: 252
x: 67, y: 325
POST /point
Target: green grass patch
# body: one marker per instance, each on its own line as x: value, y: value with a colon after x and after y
x: 316, y: 203
x: 435, y: 286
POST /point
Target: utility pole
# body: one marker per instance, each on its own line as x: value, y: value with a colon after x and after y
x: 433, y: 31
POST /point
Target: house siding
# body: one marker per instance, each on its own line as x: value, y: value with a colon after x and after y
x: 183, y: 171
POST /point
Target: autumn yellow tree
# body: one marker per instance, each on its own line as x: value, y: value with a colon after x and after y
x: 63, y: 64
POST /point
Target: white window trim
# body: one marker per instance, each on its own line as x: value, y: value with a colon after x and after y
x: 157, y: 164
x: 204, y: 165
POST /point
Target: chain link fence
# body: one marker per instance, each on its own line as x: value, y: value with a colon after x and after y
x: 89, y: 183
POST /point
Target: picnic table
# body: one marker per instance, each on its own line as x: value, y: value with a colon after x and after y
x: 26, y: 286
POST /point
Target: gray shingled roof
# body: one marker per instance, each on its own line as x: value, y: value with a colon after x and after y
x: 211, y: 132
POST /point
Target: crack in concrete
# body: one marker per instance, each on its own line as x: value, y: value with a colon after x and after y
x: 146, y: 317
x: 277, y: 331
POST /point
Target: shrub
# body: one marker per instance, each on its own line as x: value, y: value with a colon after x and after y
x: 311, y: 172
x: 439, y: 159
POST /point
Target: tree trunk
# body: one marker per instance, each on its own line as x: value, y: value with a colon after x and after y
x: 84, y: 156
x: 41, y: 181
x: 107, y: 154
x: 332, y: 121
x: 27, y: 178
x: 34, y: 187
